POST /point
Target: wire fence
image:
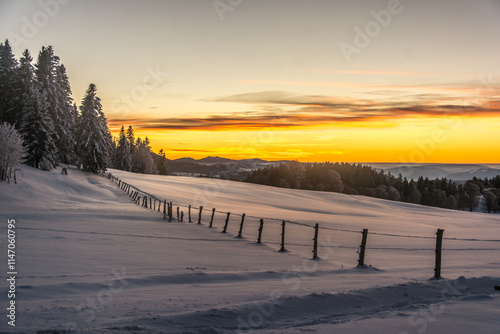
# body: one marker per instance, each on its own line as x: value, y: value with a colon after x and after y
x: 198, y: 214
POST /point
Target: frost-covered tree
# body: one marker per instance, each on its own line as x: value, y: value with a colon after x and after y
x: 55, y: 84
x: 93, y: 138
x: 161, y: 162
x: 472, y: 192
x: 142, y: 158
x: 36, y: 125
x: 9, y: 85
x: 66, y: 142
x: 490, y: 201
x: 12, y: 151
x: 131, y: 139
x: 122, y: 156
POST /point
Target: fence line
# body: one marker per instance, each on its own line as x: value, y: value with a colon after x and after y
x: 135, y: 193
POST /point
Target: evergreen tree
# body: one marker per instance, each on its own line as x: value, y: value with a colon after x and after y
x: 472, y: 191
x: 36, y: 125
x: 142, y: 158
x: 123, y: 157
x: 490, y: 201
x: 131, y: 139
x: 66, y: 142
x: 161, y: 163
x: 93, y: 138
x: 55, y: 83
x: 9, y: 85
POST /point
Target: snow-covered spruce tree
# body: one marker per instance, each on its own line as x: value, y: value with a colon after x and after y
x: 93, y: 138
x: 12, y: 151
x: 66, y: 142
x: 55, y: 84
x: 123, y: 157
x: 9, y: 85
x: 161, y: 162
x: 131, y: 139
x: 36, y: 125
x: 142, y: 158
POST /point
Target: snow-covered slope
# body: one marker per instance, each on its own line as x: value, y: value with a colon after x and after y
x: 89, y: 260
x: 455, y: 172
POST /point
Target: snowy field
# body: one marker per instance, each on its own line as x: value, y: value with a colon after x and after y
x: 89, y: 260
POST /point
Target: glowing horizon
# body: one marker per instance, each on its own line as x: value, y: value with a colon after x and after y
x: 283, y: 80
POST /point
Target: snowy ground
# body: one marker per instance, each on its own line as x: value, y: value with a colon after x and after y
x: 91, y: 261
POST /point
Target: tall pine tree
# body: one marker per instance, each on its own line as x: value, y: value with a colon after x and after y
x: 66, y: 142
x: 9, y: 86
x: 123, y: 157
x: 54, y: 81
x: 36, y: 125
x: 93, y: 138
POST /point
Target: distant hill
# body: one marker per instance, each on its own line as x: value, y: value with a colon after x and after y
x: 455, y: 172
x: 214, y: 166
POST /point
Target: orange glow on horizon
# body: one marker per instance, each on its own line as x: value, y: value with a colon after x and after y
x: 419, y: 140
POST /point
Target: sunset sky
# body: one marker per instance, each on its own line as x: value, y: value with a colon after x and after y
x: 316, y: 80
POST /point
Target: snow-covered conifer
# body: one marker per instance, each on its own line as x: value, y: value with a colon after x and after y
x: 123, y: 157
x: 36, y: 125
x: 93, y: 138
x: 55, y: 84
x: 9, y: 84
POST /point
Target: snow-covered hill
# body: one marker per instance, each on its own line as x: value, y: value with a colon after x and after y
x: 455, y: 172
x: 89, y: 260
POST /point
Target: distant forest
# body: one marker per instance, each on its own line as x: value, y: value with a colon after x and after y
x: 356, y: 179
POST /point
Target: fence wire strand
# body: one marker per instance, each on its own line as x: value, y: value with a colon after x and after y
x: 312, y: 226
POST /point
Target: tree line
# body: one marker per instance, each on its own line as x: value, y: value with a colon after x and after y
x: 135, y: 155
x: 42, y: 125
x: 357, y: 179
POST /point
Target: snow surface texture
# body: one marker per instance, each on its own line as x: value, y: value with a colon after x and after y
x: 91, y: 261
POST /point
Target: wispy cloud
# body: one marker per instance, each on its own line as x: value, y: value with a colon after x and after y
x: 459, y: 88
x: 405, y: 73
x: 286, y: 109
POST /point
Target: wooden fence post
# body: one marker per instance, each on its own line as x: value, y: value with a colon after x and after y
x: 261, y: 227
x: 282, y: 249
x: 154, y: 205
x: 150, y: 203
x: 315, y: 248
x: 182, y: 216
x: 199, y: 215
x: 178, y: 215
x: 170, y: 212
x: 439, y: 248
x: 361, y: 261
x: 227, y: 221
x: 189, y: 213
x: 212, y: 218
x: 164, y: 209
x: 241, y: 226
